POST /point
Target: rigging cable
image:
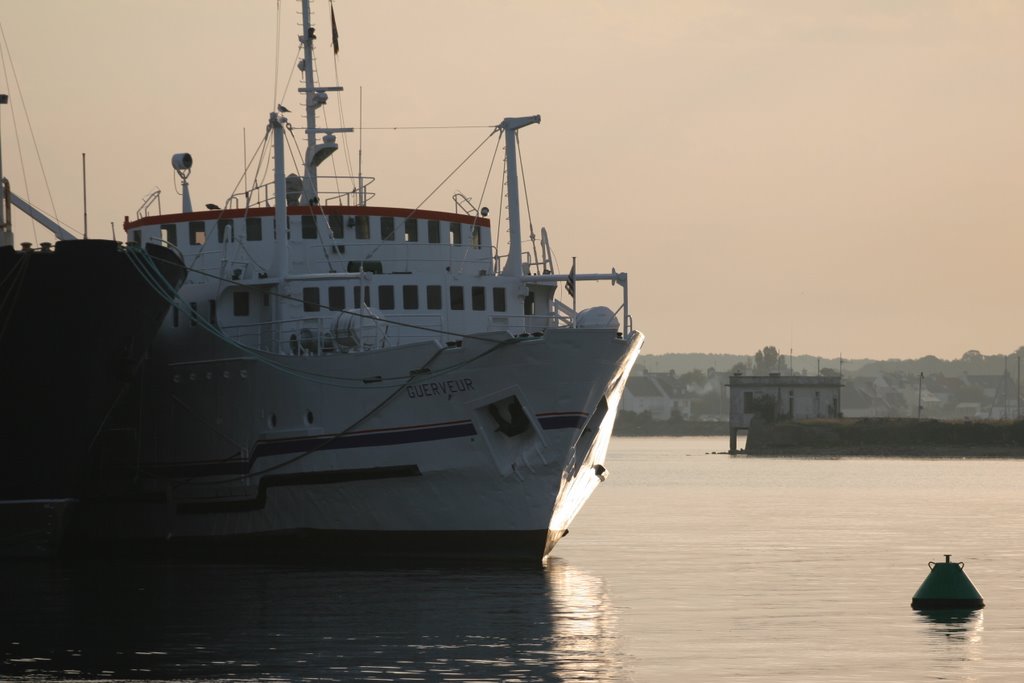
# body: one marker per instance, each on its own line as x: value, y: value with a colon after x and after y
x: 5, y: 58
x: 441, y: 184
x: 483, y: 193
x: 526, y: 197
x: 328, y: 439
x: 12, y: 285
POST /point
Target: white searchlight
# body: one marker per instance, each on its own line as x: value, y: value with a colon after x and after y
x: 182, y: 163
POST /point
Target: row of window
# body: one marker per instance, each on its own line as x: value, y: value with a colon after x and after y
x: 456, y: 233
x: 412, y: 298
x: 388, y: 298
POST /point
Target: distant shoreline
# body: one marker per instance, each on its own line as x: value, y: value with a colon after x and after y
x: 874, y: 437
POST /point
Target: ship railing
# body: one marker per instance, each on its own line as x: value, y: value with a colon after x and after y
x: 147, y: 202
x: 526, y: 324
x: 470, y: 260
x: 263, y: 195
x: 329, y: 255
x: 572, y: 312
x: 318, y: 336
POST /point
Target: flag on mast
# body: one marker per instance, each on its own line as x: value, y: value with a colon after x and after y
x: 570, y: 283
x: 334, y: 32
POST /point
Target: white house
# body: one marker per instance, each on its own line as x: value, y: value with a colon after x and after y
x: 645, y: 394
x: 789, y: 397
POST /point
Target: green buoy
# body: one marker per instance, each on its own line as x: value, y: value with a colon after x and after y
x: 947, y: 587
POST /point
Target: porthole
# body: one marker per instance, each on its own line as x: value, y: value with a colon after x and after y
x: 272, y: 420
x: 309, y: 417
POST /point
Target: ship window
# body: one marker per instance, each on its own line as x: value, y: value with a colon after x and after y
x: 412, y: 233
x: 193, y: 316
x: 455, y: 231
x: 360, y: 296
x: 410, y: 297
x: 387, y: 228
x: 365, y: 267
x: 225, y: 231
x: 310, y: 299
x: 386, y: 297
x: 241, y: 304
x: 434, y: 232
x: 197, y: 232
x: 458, y: 303
x: 748, y: 401
x: 309, y: 227
x: 170, y: 233
x: 499, y: 299
x: 337, y: 226
x: 479, y: 299
x: 362, y: 227
x: 434, y: 297
x: 474, y: 236
x: 528, y: 304
x: 336, y: 298
x: 213, y: 311
x: 137, y: 236
x: 254, y: 229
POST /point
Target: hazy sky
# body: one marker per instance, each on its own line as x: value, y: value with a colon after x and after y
x: 839, y: 177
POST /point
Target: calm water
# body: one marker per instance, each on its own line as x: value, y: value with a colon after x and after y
x: 686, y: 565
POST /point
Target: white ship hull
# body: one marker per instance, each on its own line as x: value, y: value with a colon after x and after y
x: 252, y: 453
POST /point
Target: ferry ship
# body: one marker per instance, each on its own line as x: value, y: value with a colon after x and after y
x: 346, y: 380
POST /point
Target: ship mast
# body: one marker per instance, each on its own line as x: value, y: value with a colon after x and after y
x: 315, y: 97
x: 514, y: 263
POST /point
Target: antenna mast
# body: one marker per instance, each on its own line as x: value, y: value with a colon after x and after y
x: 362, y: 188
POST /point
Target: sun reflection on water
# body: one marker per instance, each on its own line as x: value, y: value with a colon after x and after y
x: 271, y: 623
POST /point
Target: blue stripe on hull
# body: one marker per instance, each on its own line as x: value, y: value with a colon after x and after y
x: 368, y: 439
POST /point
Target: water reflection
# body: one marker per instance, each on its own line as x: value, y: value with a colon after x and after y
x: 959, y: 624
x: 148, y: 621
x: 956, y: 633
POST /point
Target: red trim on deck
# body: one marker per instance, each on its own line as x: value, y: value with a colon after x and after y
x: 308, y: 211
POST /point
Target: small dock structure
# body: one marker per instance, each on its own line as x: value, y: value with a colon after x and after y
x: 780, y: 397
